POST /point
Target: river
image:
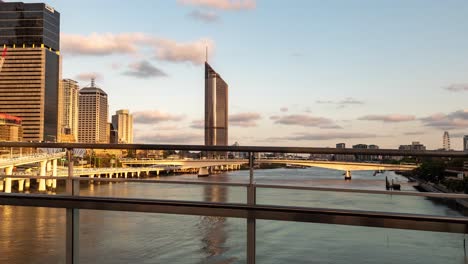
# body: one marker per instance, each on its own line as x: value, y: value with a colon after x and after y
x: 37, y: 235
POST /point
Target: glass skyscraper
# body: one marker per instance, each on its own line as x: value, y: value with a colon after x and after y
x: 216, y: 108
x: 30, y: 78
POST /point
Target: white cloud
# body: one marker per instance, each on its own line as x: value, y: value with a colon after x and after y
x: 221, y: 4
x: 154, y: 117
x: 393, y: 118
x: 105, y: 44
x: 204, y: 16
x: 244, y: 119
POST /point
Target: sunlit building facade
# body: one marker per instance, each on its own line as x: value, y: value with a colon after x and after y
x: 70, y: 91
x: 122, y: 122
x: 10, y: 128
x: 93, y: 126
x: 216, y: 108
x: 30, y: 77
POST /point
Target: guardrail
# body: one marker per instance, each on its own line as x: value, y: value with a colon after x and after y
x: 251, y: 211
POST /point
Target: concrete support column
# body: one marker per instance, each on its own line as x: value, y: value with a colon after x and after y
x: 8, y: 181
x: 54, y: 174
x: 21, y: 185
x: 348, y: 175
x: 43, y: 172
x: 49, y: 168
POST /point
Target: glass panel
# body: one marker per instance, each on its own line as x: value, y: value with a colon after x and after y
x: 287, y: 242
x: 32, y: 235
x: 120, y: 237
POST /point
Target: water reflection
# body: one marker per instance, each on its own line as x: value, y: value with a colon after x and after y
x: 213, y: 228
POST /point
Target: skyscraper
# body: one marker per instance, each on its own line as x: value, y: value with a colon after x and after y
x: 122, y: 121
x: 465, y: 143
x: 446, y: 141
x: 30, y: 77
x: 92, y: 115
x: 69, y: 118
x: 216, y: 108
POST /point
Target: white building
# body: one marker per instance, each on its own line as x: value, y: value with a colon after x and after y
x: 93, y: 115
x: 69, y: 118
x: 122, y: 122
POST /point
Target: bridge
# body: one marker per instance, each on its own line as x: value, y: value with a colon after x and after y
x: 348, y: 167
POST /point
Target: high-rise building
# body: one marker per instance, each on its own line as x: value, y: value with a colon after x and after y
x: 30, y: 77
x: 216, y: 108
x: 69, y: 118
x: 122, y: 121
x: 92, y: 115
x: 446, y: 141
x: 10, y: 128
x: 465, y: 143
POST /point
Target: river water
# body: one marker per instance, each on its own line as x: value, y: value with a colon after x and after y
x: 37, y: 235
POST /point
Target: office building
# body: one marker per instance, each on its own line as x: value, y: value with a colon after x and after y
x: 69, y: 119
x: 122, y: 122
x: 30, y: 77
x: 216, y: 108
x: 465, y: 143
x: 10, y: 128
x: 415, y: 145
x: 93, y: 115
x: 446, y: 141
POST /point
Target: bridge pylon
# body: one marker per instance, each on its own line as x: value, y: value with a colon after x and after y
x: 347, y: 175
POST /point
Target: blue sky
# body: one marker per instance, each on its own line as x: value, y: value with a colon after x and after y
x: 302, y: 73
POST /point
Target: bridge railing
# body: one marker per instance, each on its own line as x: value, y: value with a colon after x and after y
x: 251, y: 210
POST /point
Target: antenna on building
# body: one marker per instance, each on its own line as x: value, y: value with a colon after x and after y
x: 206, y: 54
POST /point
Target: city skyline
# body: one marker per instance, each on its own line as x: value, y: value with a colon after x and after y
x: 340, y: 80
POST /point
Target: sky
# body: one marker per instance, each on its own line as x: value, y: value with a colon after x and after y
x: 308, y: 73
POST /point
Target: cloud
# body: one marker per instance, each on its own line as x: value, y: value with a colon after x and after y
x: 194, y: 52
x: 87, y: 76
x: 168, y: 138
x: 106, y: 44
x: 154, y: 117
x: 460, y: 87
x: 394, y: 118
x: 221, y: 4
x: 342, y: 103
x: 326, y: 136
x: 244, y: 119
x: 198, y: 124
x: 284, y: 109
x: 204, y: 16
x: 414, y: 133
x: 143, y: 70
x: 457, y: 119
x: 304, y: 120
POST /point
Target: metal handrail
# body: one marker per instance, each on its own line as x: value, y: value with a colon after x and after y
x: 448, y: 224
x: 277, y: 149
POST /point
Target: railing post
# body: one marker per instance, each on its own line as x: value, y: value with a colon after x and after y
x: 73, y: 216
x: 251, y: 200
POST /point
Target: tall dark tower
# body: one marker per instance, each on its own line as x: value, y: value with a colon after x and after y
x: 216, y: 108
x: 30, y: 77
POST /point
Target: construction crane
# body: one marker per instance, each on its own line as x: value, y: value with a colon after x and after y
x: 2, y: 60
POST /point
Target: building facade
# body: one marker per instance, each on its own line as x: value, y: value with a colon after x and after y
x: 415, y: 145
x: 69, y: 118
x: 122, y: 122
x: 92, y: 115
x: 216, y: 108
x: 10, y: 128
x: 30, y: 77
x: 446, y: 141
